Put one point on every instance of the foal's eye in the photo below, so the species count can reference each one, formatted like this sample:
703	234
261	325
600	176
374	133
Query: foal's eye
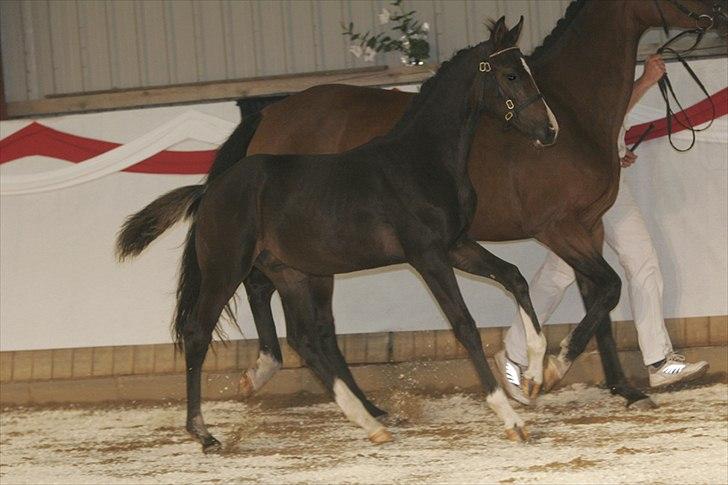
511	77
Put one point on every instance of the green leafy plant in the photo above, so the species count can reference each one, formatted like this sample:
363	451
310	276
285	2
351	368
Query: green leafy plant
408	36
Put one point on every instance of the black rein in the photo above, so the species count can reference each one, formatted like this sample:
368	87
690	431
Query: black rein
666	89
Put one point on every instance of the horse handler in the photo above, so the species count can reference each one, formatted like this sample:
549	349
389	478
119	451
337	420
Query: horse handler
626	233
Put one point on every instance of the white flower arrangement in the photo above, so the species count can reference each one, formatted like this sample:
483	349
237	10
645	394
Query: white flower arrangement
412	42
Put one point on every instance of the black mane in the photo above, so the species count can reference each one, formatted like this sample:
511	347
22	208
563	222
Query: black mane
427	88
429	84
561	26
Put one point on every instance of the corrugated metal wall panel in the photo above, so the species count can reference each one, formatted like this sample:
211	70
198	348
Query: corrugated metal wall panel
154	68
95	45
64	46
11	34
181	41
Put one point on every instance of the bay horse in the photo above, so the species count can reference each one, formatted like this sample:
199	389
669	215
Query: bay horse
404	196
585	68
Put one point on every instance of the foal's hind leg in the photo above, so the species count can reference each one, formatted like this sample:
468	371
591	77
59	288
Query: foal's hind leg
297	296
471	257
197	332
323	289
440	278
260	290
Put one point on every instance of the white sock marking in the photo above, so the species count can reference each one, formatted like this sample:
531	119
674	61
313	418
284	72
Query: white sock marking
265	368
536	345
353	408
498	402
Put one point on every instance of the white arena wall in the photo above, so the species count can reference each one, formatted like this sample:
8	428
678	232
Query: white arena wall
61	287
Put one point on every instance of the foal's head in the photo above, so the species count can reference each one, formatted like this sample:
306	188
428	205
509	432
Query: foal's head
507	88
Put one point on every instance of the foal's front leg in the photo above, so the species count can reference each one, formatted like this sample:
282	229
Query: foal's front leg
471	257
440	278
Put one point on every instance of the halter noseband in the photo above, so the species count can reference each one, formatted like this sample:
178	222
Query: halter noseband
513	110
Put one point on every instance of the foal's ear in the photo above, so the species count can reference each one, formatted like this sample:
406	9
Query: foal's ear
511	38
498	31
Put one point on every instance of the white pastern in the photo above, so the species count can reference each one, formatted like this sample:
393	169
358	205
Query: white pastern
536	347
353	408
552	118
265	368
565	349
498	402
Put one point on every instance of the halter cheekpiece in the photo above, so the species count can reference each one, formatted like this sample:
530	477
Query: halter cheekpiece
485	66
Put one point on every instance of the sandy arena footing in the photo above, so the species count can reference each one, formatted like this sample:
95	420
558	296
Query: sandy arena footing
580	435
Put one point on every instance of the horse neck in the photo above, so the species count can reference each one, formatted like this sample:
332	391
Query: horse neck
442	124
591	70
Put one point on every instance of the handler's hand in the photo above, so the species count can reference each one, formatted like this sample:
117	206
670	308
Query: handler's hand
654	69
628	159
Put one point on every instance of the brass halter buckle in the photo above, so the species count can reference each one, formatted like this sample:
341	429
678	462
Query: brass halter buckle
509	105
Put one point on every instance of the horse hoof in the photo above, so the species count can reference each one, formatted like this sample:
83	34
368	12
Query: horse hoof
246	386
519	434
211	445
381	436
379	413
643	404
530	388
553	372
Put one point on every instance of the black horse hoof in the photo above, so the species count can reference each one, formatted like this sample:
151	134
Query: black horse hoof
379	413
644	404
211	445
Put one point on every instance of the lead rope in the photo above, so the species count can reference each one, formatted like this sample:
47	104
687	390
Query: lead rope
666	89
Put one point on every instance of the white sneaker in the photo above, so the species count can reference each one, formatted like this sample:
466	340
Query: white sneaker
511	375
675	369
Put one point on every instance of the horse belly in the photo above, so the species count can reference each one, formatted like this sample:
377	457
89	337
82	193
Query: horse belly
337	249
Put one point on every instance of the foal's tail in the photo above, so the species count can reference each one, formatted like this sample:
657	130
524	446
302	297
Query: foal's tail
140	229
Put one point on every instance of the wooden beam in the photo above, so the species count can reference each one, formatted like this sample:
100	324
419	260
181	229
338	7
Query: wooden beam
216	91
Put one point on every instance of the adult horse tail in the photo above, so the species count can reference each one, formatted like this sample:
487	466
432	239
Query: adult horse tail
140	229
235	147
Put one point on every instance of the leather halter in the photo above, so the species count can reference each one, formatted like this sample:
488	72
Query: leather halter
513	110
666	89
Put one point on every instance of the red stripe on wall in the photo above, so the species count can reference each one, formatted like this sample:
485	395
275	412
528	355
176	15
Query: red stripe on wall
37	139
697	114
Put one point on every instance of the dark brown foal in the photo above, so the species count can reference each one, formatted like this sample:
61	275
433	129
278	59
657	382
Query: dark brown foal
299	219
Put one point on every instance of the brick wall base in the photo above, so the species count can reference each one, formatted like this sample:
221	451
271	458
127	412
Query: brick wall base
423	360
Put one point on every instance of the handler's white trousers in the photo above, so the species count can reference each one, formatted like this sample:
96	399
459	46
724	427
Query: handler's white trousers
626	233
